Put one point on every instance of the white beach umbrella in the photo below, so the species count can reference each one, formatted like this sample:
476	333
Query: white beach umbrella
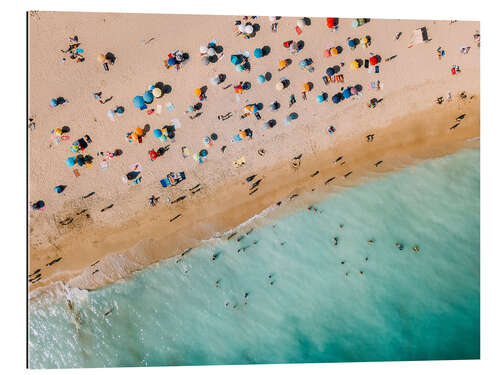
280	86
301	23
215	80
272	18
203	49
248	29
241	28
211	52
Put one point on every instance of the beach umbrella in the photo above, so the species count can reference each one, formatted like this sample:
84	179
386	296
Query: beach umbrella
301	23
346	93
203	49
119	110
333	51
330	22
58	189
157	133
272	18
248	29
306	87
211	51
111	114
70	161
336	98
273	107
326	53
74	148
172	61
293	116
53	103
148	96
205	60
303	63
261	78
240	68
101	58
254	109
243	134
283	64
373	60
354	65
355	23
320	98
197	92
280	86
258	53
241	28
235	59
351	43
203	153
163	138
153	155
151	87
58	131
364	40
354	91
156	92
294	47
330	72
190	109
213	137
139	132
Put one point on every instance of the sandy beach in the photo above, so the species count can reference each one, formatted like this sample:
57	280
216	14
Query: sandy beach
93	247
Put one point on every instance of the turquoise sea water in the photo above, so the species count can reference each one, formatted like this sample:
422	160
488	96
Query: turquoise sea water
404	306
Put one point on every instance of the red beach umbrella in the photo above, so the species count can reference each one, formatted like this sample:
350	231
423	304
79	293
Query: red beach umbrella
153	155
373	60
330	22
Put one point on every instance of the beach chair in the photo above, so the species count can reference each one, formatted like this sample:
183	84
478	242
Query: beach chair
165	182
76	173
158	109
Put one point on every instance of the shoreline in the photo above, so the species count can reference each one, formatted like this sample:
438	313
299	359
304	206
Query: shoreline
416	147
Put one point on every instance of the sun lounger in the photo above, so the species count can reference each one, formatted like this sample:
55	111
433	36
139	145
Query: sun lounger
76	173
158	109
165	182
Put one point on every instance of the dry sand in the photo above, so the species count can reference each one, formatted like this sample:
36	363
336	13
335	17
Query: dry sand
408	126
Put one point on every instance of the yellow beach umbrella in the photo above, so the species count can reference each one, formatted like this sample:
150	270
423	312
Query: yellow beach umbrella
306	87
243	134
58	131
282	63
364	40
139	132
157	92
333	51
280	86
101	58
354	65
197	92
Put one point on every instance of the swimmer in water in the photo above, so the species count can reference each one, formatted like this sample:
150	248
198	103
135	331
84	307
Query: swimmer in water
342	262
335	241
214	256
371	242
217	284
399	246
366	259
341	226
271	283
415	248
360	272
245	295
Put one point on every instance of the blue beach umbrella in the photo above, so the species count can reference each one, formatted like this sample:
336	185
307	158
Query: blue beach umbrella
203	153
336	98
163	138
320	98
240	68
293	116
330	72
151	87
148	96
190	109
235	59
258	53
58	189
346	93
157	133
351	43
303	63
119	110
139	102
261	78
70	161
172	61
53	103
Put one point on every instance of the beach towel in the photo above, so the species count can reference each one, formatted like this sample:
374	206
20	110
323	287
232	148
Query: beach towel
158	109
237	138
176	123
165	182
104	165
169	106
